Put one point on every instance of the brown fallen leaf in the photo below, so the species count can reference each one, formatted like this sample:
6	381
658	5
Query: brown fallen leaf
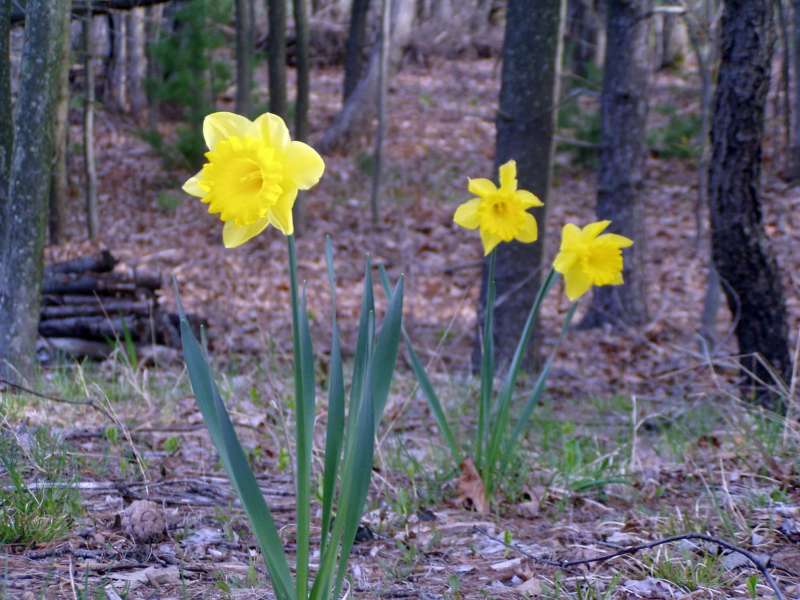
471	493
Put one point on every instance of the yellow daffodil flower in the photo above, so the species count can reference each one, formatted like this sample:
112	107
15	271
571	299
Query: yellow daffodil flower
252	175
587	258
501	213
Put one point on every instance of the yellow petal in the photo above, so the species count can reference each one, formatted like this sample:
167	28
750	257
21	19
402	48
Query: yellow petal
273	129
529	230
481	187
527	199
221	125
564	261
570	235
193	187
489	241
304	166
467	214
234	235
592	230
508	176
280	215
577	283
618	241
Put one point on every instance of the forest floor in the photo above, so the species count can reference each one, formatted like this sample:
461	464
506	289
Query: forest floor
641	435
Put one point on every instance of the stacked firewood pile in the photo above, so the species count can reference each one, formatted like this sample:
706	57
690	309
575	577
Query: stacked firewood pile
90	306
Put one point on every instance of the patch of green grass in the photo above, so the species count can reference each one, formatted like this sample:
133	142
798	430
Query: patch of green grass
38	501
584	589
678	138
689	572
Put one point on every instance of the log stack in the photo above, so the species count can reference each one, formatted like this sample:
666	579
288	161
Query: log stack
91	305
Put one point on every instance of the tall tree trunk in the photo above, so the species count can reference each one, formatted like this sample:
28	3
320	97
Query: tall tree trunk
155	15
22	233
59	186
741	249
359	109
6	118
303	70
620	181
525	124
136	63
795	171
89	168
383	74
245	36
117	72
354	48
276	48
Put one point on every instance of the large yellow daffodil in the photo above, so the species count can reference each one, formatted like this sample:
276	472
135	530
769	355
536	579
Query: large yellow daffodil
253	173
587	258
501	213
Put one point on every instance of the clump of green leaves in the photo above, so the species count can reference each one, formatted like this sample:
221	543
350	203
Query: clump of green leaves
192	78
38	501
678	138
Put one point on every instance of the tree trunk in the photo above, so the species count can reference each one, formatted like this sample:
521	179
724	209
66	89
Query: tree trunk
741	249
277	57
525	127
383	73
303	70
6	119
359	109
795	171
155	15
22	234
59	186
90	170
117	72
583	28
245	36
624	106
354	49
136	61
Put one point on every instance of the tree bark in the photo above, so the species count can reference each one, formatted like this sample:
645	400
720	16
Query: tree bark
6	118
359	109
89	167
117	77
136	61
354	49
245	36
525	124
276	49
22	233
303	70
59	186
741	249
624	107
795	171
155	15
383	73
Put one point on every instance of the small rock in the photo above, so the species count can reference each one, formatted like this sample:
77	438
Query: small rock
144	522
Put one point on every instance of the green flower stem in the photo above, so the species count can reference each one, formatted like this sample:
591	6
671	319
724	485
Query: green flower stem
487	365
303	459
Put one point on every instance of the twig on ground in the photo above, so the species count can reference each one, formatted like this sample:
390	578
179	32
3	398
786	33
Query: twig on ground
569	564
88	402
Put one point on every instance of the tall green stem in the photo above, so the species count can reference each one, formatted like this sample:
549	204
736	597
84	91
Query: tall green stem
303	464
487	365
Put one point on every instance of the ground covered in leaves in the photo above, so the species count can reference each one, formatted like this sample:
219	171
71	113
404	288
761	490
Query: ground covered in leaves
641	435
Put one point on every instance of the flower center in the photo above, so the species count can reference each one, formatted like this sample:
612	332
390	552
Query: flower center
499	216
244	178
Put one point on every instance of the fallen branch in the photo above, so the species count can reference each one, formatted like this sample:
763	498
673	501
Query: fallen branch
88	402
569	564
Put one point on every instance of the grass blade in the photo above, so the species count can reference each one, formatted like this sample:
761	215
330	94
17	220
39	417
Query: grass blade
426	386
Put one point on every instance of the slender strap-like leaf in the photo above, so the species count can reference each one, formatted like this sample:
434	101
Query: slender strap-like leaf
487	366
223	436
335	428
536	393
363	342
499	419
304	422
426	386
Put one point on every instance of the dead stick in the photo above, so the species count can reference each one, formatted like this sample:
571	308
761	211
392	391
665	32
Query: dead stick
568	564
90	403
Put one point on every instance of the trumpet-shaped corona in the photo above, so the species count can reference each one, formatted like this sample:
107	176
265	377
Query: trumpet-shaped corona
252	174
501	214
587	258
